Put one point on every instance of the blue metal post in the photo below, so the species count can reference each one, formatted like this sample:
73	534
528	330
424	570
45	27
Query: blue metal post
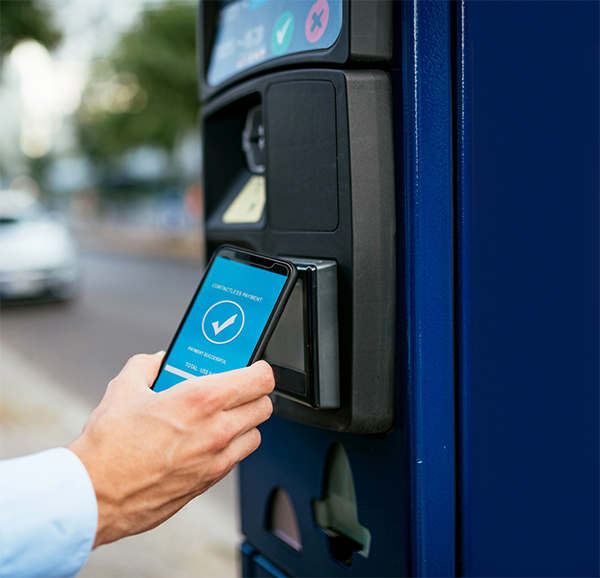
429	282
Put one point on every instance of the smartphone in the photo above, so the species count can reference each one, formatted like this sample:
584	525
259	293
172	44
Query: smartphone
231	317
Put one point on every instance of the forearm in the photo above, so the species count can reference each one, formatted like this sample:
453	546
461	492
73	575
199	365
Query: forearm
48	515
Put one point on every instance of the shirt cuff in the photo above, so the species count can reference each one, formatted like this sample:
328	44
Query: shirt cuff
48	515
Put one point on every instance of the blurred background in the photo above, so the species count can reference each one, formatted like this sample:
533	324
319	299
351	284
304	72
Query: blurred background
101	241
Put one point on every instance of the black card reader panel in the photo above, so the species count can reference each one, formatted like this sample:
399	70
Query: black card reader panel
352	224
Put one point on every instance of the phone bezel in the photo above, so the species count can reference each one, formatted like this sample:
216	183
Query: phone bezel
265	262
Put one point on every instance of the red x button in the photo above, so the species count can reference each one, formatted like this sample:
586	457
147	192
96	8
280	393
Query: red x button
316	21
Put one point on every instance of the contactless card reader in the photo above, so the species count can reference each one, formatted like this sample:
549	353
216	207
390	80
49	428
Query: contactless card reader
303	350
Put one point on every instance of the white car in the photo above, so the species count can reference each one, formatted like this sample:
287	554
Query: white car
38	256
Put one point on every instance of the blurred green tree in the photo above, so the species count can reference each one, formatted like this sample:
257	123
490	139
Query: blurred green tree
146	92
21	19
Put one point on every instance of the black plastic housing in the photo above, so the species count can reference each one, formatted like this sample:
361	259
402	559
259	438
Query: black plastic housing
351	219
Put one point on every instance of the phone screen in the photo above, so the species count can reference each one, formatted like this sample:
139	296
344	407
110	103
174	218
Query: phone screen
224	323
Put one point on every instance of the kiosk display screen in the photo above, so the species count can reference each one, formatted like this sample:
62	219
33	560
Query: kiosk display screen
250	32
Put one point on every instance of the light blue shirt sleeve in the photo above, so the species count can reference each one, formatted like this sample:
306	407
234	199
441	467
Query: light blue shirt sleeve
48	515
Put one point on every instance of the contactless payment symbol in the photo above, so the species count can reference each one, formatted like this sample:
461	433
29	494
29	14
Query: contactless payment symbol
223	322
282	33
316	21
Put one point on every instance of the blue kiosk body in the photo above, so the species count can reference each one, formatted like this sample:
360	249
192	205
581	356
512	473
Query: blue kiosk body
464	438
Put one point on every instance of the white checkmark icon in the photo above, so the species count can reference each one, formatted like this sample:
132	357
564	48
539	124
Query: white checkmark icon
223	325
281	33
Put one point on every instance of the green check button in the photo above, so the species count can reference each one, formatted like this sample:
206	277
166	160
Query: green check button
282	33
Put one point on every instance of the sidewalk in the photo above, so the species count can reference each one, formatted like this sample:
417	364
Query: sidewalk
199	541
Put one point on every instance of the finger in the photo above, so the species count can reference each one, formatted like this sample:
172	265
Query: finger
243	446
241	419
142	369
234	388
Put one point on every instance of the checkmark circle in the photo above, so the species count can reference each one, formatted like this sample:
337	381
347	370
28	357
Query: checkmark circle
282	33
209	310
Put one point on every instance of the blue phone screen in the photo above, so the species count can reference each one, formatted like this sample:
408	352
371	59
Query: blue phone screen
225	322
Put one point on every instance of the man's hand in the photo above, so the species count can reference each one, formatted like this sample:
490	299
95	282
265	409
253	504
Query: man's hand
148	454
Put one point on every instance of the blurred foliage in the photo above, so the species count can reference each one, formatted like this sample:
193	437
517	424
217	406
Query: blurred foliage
146	92
21	19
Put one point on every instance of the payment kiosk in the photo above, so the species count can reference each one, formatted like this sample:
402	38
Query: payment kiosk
299	163
414	160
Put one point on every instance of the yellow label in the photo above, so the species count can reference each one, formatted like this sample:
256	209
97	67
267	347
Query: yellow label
249	204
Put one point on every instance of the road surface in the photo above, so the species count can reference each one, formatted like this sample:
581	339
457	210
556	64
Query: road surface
127	305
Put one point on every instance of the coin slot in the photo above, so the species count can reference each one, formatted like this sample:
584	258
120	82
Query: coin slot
253	140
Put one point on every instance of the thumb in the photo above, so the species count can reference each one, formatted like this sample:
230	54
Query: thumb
141	370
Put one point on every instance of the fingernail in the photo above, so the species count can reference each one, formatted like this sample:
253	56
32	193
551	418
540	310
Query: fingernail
161	352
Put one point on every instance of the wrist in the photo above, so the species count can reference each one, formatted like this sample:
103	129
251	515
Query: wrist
107	527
